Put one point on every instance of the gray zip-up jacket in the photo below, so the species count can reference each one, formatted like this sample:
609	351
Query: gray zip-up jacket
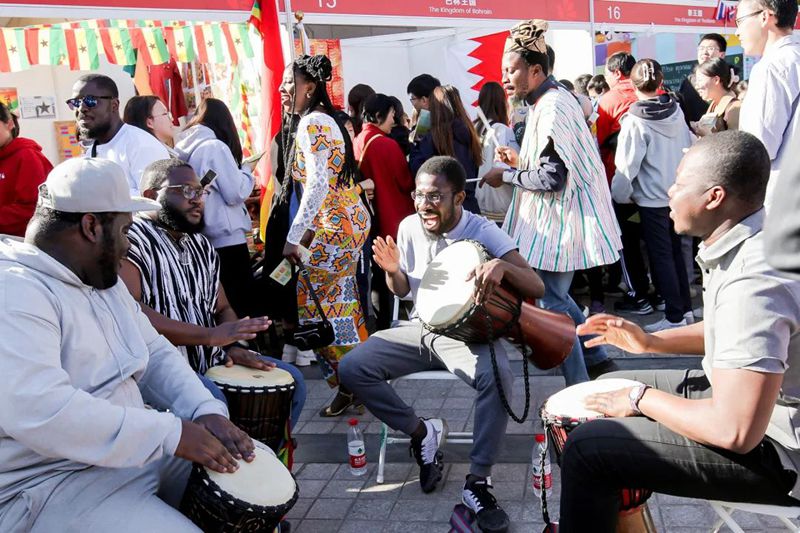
76	366
650	146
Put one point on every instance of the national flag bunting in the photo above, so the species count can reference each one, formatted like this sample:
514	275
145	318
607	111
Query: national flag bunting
13	52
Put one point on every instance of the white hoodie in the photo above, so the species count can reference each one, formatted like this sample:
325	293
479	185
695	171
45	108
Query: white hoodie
76	364
226	216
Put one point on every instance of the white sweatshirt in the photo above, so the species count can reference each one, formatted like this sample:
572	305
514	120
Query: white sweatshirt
76	365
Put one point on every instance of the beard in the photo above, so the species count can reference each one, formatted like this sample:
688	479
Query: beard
95	132
175	220
108	262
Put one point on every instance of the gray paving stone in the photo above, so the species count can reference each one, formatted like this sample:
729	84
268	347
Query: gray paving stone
459	403
318	471
389	490
687	515
361	526
428	403
343	472
298	511
371	509
510	472
317	526
413	510
315	428
311	488
395	471
341	488
330	508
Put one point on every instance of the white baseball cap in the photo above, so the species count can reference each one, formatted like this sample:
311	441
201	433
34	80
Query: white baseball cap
91	185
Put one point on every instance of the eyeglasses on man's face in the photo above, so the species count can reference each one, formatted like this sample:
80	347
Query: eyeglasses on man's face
745	17
709	49
190	192
434	198
89	101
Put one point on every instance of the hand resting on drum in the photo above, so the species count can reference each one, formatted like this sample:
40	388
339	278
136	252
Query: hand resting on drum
236	355
512	268
614	404
214	442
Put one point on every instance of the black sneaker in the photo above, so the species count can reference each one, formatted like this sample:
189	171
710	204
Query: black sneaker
428	455
476	496
633	306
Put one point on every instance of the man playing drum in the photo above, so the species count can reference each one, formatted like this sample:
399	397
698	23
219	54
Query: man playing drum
78	359
173	271
440	220
729	431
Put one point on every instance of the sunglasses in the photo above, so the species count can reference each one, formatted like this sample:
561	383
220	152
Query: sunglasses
189	192
88	100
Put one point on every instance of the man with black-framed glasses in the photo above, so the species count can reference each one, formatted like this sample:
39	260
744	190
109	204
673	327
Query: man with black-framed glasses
95	103
771	111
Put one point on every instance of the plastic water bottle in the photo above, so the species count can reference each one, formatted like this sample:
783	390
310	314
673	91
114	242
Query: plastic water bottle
540	479
356	449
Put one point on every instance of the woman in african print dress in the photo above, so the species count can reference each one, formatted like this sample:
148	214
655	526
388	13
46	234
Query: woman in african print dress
330	218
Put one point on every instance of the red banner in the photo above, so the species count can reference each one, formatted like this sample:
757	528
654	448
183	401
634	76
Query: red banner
563	10
199	5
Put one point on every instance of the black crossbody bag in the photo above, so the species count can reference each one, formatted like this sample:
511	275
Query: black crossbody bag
317	334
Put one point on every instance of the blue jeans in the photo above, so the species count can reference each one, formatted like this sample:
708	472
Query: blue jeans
298	400
557	298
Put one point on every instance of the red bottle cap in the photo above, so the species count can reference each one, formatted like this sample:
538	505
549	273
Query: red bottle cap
539	437
353	421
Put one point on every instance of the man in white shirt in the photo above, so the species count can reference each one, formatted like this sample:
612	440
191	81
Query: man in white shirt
771	111
95	102
79	451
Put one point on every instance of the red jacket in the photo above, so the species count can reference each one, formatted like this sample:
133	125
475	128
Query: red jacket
23	168
610	109
384	163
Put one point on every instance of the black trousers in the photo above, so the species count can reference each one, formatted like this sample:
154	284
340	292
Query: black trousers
603	456
667	265
632	263
236	277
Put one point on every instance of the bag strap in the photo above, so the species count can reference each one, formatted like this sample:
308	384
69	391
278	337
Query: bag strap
304	273
364	152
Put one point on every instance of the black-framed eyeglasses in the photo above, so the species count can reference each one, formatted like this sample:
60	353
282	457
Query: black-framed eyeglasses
744	17
434	198
89	101
189	192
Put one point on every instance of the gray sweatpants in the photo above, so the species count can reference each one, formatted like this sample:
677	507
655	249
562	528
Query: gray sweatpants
405	350
100	500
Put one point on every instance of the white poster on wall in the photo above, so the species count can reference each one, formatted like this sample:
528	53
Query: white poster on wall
38	106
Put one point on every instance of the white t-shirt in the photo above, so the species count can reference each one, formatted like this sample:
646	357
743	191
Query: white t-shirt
418	247
133	149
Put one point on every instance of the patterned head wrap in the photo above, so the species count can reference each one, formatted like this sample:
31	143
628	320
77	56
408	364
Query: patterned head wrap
528	35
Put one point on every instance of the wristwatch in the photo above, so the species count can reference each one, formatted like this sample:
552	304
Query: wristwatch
635	396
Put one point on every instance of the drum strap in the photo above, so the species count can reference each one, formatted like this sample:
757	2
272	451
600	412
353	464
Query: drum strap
542	459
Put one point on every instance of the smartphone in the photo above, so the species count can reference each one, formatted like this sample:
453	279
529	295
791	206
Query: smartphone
209	176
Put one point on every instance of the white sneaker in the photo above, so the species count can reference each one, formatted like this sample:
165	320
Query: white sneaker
663	324
688	316
698	312
305	358
289	353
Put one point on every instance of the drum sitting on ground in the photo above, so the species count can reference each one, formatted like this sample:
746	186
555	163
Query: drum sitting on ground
563	412
252	499
446	305
259	402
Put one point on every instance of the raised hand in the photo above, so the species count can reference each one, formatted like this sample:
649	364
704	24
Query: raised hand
507	155
616	331
238	330
386	254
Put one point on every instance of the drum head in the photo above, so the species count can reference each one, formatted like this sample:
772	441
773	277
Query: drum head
445	295
569	403
265	481
242	376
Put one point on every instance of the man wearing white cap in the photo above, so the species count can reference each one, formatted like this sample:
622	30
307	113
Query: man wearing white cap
78	360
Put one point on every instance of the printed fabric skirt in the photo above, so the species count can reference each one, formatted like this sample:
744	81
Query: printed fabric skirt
342	229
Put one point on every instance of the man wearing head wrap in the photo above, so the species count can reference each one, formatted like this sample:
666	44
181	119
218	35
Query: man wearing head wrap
560	216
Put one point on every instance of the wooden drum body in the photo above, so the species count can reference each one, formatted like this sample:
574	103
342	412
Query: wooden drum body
252	499
259	402
563	412
446	305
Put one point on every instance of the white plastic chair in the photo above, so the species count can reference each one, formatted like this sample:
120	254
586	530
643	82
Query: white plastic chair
725	509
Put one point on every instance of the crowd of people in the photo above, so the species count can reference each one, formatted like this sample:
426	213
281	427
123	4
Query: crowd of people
610	182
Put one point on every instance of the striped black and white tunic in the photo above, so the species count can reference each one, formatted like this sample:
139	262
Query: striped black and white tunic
180	279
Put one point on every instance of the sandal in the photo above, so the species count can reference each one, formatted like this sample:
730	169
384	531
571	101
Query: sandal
339	405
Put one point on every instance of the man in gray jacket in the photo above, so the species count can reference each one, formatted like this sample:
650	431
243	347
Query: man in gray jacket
78	449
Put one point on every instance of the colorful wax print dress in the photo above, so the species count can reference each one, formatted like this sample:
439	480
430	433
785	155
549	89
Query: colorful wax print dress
341	225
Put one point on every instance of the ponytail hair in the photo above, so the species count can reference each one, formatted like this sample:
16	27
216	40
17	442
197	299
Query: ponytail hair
647	75
718	67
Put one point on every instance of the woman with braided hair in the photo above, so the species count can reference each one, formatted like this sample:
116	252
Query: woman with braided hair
327	215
